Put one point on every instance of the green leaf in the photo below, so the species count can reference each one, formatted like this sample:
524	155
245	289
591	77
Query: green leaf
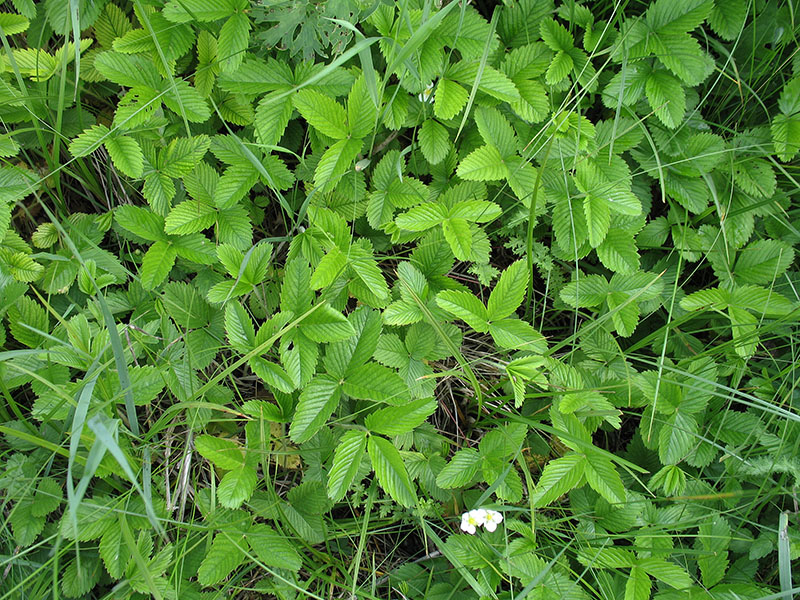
476	211
608	557
239	327
224	453
588	291
665	571
196	248
329	269
141	221
598	217
26	319
316	404
89	141
236	487
677	437
434	141
492	82
367	271
666	97
115	554
789	102
156	264
296	294
459	234
129	71
362	114
714	536
272	374
223	557
496	130
461	469
47	498
422	217
483	164
272	116
466	307
158	190
638	585
604	479
667	16
517	334
396	420
8	146
22	266
618	252
556	36
323	113
762	301
449	100
234	36
190	216
714	298
185	101
509	291
763	262
558	477
183	154
377	383
13	24
273	549
682	55
126	155
336	162
786	136
235	183
727	19
346	462
185	11
25	526
560	67
327	324
390	471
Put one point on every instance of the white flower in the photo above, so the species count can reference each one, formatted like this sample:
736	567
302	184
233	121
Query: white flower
492	519
427	94
470	521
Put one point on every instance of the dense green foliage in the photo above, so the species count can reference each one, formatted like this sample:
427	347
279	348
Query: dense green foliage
286	287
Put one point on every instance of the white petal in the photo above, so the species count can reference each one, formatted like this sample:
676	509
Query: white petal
479	515
491	525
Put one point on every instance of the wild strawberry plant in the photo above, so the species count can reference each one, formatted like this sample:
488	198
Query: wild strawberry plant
398	299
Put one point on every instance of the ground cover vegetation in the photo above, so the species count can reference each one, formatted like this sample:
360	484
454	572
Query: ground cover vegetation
399	299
